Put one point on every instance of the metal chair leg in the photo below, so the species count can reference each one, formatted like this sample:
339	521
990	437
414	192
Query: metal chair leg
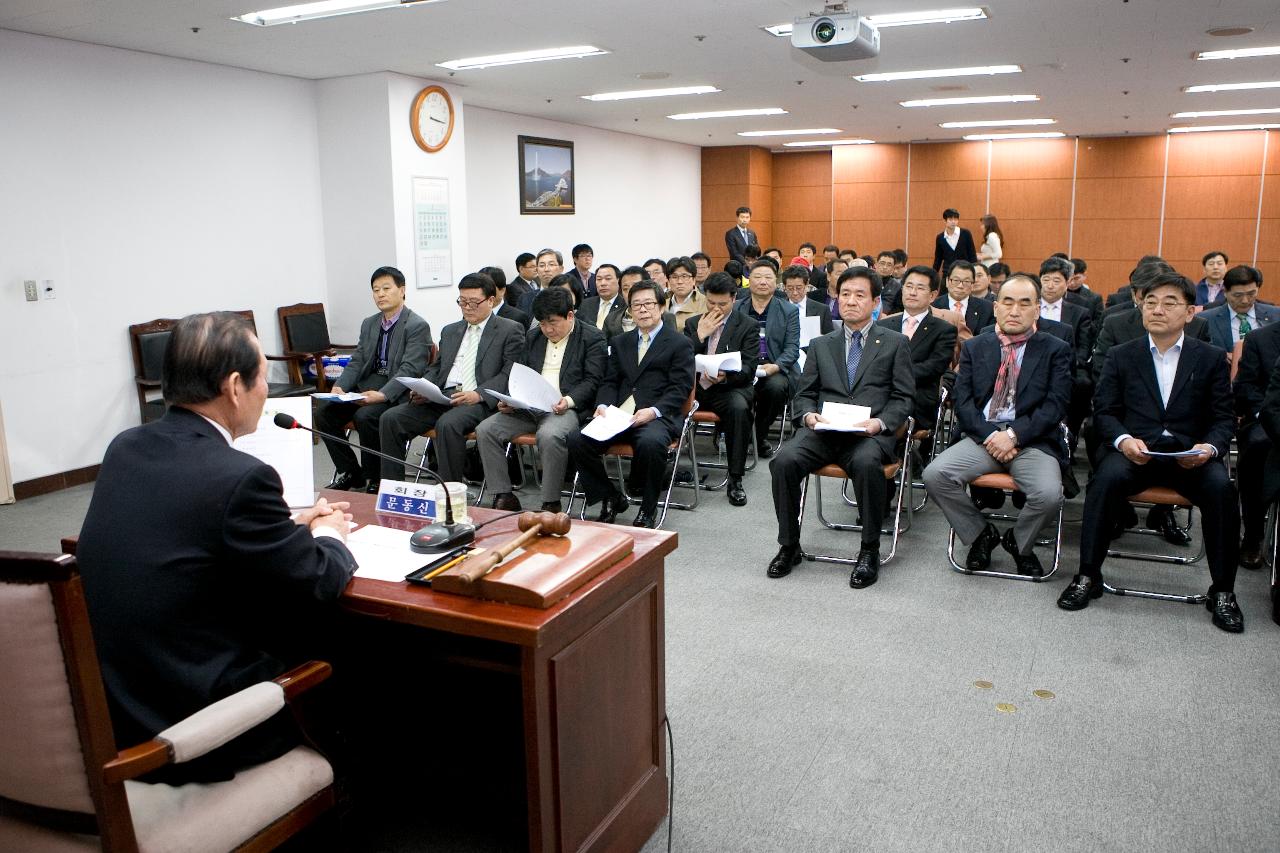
1057	556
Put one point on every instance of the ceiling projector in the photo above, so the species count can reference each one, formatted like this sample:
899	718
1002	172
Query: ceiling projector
836	36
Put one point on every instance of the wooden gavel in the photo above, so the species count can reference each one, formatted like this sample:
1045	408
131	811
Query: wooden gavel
534	524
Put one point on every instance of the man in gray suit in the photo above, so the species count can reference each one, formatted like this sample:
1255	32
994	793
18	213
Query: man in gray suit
859	364
778	370
571	356
394	342
475	353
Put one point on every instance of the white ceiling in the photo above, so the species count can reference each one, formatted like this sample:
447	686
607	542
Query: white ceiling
1074	54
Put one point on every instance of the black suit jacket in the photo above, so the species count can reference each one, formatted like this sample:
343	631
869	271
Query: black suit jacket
979	313
1127	326
1269	417
932	347
517	288
581	369
1040	398
944	255
884	380
1128	397
591	306
515	315
814	308
588	283
740	333
1122	296
735	244
1257	363
407	354
1091	302
890	297
1082	332
663	380
502	344
180	579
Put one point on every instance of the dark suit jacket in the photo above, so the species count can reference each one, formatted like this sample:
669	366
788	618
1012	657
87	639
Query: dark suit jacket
1123	296
814	308
1082	332
526	300
663	380
979	313
1221	319
890	297
883	382
591	306
1257	363
735	244
1270	420
1091	302
944	255
1040	398
932	347
407	354
782	334
1199	410
1202	295
180	580
581	369
613	323
515	315
588	283
740	333
502	344
517	288
1127	326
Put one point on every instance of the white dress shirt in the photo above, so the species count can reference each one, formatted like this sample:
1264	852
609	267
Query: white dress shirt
1051	310
1166	367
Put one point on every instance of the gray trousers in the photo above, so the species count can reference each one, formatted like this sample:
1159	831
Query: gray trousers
495	431
1037	474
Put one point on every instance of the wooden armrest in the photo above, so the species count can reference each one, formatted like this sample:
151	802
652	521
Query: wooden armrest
279	357
344	346
309	356
303	677
147	383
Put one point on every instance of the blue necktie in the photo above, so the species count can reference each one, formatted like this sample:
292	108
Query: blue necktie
855	356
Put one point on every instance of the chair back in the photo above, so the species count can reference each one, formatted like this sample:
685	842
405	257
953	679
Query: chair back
147	343
303	328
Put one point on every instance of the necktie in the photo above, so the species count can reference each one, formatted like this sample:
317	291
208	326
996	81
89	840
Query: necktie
1245	328
854	356
909	326
643	348
467	360
961	307
602	313
705	381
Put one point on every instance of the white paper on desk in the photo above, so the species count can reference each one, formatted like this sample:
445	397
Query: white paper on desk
528	389
605	427
841	417
729	362
348	397
1175	455
810	328
286	450
426	388
383	553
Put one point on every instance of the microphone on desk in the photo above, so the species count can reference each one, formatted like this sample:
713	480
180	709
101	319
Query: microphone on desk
434	538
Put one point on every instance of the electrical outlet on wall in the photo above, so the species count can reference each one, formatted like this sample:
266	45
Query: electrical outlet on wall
29	287
46	288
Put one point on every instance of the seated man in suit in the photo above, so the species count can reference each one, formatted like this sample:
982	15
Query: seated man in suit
779	323
683	299
1166	393
1269	418
526	278
650	374
1078	292
596	309
570	355
621	321
475	353
1055	272
891	293
198	582
859	364
1210	290
795	284
1242	312
505	309
583	256
982	284
549	264
977	313
394	342
933	341
1011	397
728	393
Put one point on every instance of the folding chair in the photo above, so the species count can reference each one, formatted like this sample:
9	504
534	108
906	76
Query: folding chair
1166	497
1005	483
708	424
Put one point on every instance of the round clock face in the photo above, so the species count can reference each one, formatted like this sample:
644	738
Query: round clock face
433	118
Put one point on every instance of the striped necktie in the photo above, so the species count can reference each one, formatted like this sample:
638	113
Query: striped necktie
854	356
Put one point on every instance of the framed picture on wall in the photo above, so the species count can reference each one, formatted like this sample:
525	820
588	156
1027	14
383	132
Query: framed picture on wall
546	175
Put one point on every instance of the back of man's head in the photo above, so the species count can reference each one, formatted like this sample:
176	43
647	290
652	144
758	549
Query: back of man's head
203	350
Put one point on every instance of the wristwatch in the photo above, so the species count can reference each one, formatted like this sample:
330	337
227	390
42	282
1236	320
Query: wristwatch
1013	436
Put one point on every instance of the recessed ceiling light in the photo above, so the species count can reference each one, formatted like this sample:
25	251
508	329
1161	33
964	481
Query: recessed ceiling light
763	111
1010	122
519	57
1224	113
814	143
813	131
651	93
974	71
904	19
975	99
1229	31
1239	52
1048	134
1232	87
323	9
1222	127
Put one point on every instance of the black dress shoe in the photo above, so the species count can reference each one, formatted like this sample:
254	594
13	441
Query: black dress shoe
1077	594
552	506
1226	613
1028	564
611	506
780	565
980	551
1251	555
764	449
737	494
371	489
1161	518
345	481
866	570
683	477
986	498
645	518
506	501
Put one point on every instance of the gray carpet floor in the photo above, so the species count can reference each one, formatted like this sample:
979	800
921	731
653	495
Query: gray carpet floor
809	716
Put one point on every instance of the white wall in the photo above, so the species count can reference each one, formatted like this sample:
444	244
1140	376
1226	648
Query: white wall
636	197
144	187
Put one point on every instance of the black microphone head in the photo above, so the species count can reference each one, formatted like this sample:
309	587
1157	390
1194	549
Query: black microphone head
285	421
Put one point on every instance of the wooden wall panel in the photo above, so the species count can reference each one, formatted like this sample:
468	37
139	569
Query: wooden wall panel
949	161
1118	198
1187	240
1213	197
802	191
1106	277
802	169
868	163
930	198
869	237
871	201
1215	154
1030	198
869	206
1115	239
1020	159
734	176
1121	157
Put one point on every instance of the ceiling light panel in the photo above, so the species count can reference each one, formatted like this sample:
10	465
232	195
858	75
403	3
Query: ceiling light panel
1224	113
1232	87
1222	127
762	111
974	99
323	9
498	59
815	143
651	93
1239	52
1008	122
930	74
1048	134
813	131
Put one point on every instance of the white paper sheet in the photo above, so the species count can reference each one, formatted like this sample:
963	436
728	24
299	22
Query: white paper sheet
605	427
426	388
348	397
800	360
383	553
729	362
841	417
1176	454
528	389
286	450
810	328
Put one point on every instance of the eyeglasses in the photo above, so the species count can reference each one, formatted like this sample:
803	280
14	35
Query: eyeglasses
680	276
955	280
646	306
1166	304
471	303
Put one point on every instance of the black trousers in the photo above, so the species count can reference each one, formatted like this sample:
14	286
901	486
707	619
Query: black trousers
861	457
1079	407
451	423
733	407
649	444
771	396
1207	487
1254	447
331	419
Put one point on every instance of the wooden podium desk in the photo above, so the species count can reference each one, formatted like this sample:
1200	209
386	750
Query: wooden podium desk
592	683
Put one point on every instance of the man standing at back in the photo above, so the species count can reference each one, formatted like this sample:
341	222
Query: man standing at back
740	236
953	243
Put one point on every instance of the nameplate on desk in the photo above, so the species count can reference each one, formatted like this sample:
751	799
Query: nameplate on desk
416	500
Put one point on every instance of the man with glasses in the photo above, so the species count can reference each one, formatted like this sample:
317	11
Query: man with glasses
475	353
1242	313
977	313
795	284
583	256
548	264
933	340
778	372
649	375
1164	394
702	267
685	300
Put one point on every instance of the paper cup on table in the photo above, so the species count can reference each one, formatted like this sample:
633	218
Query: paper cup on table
458	500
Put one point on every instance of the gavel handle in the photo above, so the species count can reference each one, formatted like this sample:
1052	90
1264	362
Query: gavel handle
472	572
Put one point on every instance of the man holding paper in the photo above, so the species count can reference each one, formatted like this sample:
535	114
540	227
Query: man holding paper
726	391
1160	397
795	284
648	377
566	362
859	364
394	342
